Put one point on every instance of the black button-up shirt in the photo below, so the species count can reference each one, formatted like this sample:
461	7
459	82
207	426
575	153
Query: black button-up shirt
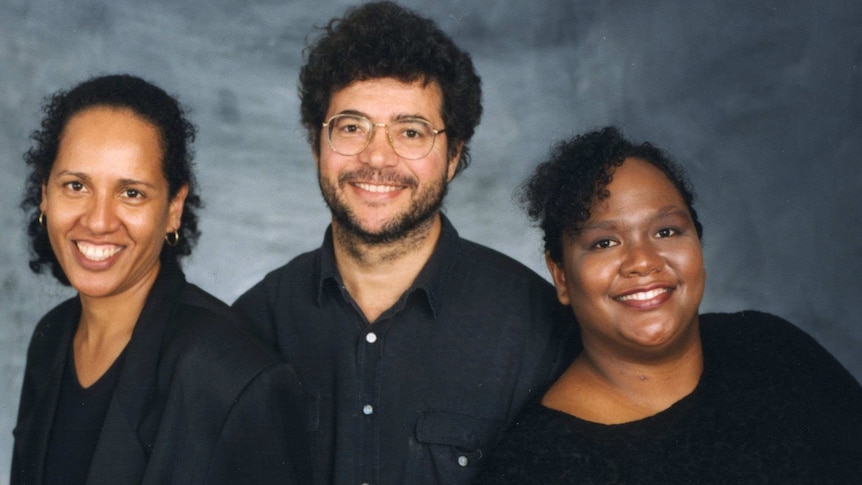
422	394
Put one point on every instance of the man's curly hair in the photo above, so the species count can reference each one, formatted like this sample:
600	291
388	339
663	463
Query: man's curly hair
150	103
560	192
382	39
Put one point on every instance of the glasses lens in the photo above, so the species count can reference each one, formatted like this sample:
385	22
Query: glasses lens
348	134
412	138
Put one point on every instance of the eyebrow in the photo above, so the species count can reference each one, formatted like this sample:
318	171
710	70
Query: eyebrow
612	224
123	182
399	117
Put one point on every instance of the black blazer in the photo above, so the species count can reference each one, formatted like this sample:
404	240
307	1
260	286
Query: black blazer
197	400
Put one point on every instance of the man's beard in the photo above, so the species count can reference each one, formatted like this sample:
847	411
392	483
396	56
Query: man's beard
425	206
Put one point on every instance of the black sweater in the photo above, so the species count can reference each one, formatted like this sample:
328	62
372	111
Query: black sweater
772	406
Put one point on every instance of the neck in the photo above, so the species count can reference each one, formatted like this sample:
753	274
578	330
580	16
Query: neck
105	328
609	389
376	275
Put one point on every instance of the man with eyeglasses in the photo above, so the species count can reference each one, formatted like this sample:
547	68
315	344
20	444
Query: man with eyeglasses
415	347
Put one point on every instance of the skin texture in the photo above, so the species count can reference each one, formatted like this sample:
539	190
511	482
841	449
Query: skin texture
376	195
385	209
634	276
107	213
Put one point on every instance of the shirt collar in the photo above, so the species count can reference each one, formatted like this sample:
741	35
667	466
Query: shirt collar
431	281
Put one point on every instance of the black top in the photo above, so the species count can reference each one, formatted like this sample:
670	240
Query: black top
78	423
421	395
772	406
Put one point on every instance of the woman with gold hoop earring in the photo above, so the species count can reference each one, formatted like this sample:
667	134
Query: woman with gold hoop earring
142	378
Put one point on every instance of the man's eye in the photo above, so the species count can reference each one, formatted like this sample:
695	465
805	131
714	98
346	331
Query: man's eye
349	126
132	193
667	232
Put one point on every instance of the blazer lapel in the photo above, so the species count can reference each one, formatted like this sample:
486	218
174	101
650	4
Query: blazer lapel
134	415
119	456
47	373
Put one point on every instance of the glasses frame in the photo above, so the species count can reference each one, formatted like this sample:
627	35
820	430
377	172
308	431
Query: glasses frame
385	126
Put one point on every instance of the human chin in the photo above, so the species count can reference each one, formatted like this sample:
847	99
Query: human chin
422	208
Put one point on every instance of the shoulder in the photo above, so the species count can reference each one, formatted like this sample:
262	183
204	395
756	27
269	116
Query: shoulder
301	266
750	321
767	348
503	289
60	321
494	261
496	273
265	303
206	337
753	330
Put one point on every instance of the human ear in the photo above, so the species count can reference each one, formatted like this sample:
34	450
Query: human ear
175	209
558	274
452	168
44	202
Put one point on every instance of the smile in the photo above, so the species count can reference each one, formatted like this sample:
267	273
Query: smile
644	295
99	252
380	189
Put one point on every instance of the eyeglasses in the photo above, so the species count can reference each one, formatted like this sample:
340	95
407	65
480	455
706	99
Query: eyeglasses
411	138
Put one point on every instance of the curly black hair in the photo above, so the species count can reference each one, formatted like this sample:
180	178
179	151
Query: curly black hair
148	102
383	39
559	194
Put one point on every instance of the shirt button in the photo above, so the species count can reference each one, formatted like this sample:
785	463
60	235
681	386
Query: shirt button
371	337
463	461
368	410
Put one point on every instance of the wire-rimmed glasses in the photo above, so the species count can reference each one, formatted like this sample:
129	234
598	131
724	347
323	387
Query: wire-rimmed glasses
350	134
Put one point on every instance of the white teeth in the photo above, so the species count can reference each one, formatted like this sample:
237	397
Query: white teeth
98	253
378	188
644	295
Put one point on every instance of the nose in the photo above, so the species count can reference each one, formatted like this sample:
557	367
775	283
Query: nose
641	259
379	152
100	216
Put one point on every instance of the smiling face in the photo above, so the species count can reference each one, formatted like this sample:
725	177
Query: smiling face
634	274
375	194
106	202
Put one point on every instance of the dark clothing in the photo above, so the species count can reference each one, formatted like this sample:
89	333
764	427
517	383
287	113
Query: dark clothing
78	424
421	395
197	400
772	406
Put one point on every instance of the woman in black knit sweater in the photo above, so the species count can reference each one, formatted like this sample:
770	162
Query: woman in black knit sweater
661	394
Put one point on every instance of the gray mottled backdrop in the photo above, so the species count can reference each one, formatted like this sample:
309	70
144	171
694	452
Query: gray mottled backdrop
761	100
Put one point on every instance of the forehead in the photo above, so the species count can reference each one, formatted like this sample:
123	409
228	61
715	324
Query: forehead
384	99
108	122
637	185
102	137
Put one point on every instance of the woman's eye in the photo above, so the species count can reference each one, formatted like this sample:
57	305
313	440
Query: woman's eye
75	186
667	232
604	244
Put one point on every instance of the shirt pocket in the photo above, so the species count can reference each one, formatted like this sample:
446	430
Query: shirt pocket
450	446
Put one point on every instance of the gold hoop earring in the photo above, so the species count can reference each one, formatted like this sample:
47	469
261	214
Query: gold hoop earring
172	238
41	219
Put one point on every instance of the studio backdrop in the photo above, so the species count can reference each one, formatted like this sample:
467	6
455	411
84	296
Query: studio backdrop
760	101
